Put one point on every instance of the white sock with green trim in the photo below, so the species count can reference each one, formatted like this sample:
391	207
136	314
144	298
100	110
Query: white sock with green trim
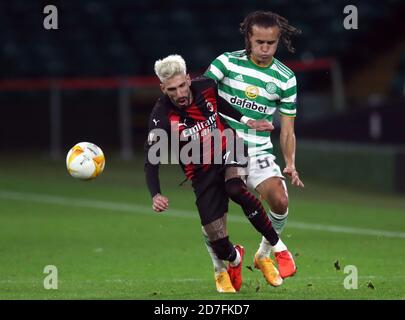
278	221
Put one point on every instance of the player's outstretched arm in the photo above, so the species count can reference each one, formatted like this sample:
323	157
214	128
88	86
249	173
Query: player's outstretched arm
288	143
157	121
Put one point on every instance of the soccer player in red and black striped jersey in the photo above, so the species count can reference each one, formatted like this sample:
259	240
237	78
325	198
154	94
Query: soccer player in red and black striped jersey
189	112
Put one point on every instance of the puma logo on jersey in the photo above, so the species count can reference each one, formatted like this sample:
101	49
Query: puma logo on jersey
250	216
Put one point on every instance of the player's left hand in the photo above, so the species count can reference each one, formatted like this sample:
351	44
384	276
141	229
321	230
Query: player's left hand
160	203
294	176
260	125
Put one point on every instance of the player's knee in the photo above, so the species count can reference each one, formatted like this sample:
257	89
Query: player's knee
280	205
234	188
223	248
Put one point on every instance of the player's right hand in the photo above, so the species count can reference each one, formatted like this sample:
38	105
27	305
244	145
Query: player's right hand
260	125
160	203
291	172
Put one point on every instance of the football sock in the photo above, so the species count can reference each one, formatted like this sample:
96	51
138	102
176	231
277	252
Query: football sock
279	246
252	207
224	249
266	248
219	265
237	260
278	221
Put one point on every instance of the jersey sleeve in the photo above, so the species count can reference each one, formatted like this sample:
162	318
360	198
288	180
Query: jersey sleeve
218	68
158	121
288	100
224	108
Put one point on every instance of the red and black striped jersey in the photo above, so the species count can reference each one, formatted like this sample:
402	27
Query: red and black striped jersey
188	128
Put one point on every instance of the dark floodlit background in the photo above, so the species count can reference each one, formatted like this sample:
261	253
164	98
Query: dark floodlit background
92	79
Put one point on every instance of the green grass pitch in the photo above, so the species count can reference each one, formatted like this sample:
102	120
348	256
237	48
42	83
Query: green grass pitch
107	243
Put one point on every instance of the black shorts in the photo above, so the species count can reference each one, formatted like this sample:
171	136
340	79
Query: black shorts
211	197
209	185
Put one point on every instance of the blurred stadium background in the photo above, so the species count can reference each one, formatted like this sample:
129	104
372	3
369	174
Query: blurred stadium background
92	80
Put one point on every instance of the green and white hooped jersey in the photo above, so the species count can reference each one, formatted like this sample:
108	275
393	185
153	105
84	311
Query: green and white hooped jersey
256	92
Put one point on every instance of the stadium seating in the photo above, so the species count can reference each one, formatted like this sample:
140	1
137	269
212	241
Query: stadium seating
99	38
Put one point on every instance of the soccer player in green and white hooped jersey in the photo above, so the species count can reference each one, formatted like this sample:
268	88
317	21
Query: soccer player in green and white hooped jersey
257	84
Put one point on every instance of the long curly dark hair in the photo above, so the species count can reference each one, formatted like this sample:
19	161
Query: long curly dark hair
268	19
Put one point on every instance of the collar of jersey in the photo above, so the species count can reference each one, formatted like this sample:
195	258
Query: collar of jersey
260	67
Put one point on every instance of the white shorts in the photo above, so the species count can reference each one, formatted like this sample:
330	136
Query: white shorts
261	168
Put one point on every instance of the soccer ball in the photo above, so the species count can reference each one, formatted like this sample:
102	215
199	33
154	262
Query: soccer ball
85	161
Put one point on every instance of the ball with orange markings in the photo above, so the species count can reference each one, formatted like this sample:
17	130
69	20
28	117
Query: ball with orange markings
85	161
